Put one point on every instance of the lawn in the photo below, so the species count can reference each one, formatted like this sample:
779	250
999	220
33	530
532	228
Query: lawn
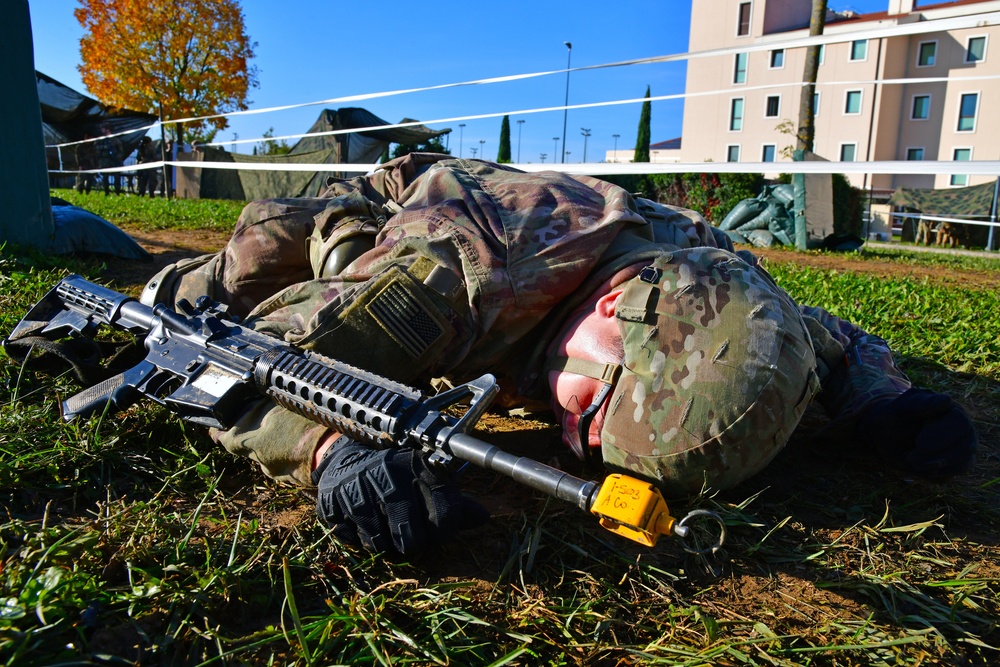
135	540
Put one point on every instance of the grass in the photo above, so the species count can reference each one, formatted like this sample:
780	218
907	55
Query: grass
135	540
148	214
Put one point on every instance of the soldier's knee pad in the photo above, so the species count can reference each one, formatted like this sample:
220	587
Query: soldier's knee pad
188	279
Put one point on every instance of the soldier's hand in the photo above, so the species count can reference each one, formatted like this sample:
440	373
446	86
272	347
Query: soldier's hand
922	433
390	500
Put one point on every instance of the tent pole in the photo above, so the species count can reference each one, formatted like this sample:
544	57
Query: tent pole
993	214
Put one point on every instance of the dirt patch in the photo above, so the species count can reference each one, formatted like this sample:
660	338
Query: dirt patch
165	247
944	275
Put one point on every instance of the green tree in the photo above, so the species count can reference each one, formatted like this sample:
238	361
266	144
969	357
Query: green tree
271	147
431	146
642	140
503	155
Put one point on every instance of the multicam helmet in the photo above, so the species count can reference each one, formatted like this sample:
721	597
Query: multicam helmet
718	370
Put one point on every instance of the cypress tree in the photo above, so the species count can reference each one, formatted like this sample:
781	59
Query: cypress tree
503	155
642	140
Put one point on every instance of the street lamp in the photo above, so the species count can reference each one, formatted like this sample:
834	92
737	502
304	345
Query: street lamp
569	54
482	153
519	124
543	156
555	147
585	131
474	151
615	153
461	133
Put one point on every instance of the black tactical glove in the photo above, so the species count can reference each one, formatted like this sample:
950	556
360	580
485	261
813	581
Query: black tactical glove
390	499
922	433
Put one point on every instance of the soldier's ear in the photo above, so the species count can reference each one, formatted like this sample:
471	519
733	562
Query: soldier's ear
605	306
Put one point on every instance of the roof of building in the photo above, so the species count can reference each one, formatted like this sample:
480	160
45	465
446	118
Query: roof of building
668	145
852	17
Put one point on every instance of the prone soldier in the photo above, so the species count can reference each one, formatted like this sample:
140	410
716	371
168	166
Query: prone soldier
658	346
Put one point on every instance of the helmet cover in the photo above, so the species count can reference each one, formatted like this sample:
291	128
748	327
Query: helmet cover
718	369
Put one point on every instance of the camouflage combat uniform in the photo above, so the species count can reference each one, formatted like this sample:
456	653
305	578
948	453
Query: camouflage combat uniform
441	267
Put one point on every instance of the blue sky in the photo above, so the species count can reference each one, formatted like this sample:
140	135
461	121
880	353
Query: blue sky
311	50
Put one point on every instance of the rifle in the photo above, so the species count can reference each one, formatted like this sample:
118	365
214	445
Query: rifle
205	367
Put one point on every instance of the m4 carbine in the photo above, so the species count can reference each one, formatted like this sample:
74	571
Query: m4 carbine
206	368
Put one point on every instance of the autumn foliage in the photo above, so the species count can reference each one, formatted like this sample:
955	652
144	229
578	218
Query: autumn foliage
185	57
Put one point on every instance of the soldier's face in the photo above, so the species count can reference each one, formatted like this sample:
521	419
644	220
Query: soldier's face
591	334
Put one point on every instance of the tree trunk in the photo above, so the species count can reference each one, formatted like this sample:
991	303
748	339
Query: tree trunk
807	110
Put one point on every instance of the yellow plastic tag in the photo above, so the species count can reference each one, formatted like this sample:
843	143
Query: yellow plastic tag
632	508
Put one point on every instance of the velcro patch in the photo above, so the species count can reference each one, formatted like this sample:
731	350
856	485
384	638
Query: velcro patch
405	319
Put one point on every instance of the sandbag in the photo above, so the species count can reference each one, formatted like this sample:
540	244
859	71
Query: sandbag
746	210
760	238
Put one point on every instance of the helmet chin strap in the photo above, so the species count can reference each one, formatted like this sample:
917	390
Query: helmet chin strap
606	373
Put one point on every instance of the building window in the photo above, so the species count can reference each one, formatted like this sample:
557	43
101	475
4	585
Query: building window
777	59
921	107
859	49
847	152
852	102
743	27
740	70
822	53
767	154
773	106
926	54
914	153
815	104
733	153
975	49
736	115
967	112
961	155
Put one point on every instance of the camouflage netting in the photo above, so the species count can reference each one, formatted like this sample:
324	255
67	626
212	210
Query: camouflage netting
356	147
973	202
767	219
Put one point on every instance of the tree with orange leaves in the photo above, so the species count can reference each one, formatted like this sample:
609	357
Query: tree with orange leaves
180	58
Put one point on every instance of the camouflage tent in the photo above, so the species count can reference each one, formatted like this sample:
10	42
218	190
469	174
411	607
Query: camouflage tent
363	147
69	116
975	201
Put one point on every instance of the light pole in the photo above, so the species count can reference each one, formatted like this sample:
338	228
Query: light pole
543	156
555	148
569	54
616	146
585	131
482	153
461	134
519	124
474	151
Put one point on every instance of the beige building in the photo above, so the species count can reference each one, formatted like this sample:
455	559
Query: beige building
857	117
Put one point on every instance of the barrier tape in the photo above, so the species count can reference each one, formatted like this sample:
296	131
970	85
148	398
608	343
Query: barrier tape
889	167
934	218
921	27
